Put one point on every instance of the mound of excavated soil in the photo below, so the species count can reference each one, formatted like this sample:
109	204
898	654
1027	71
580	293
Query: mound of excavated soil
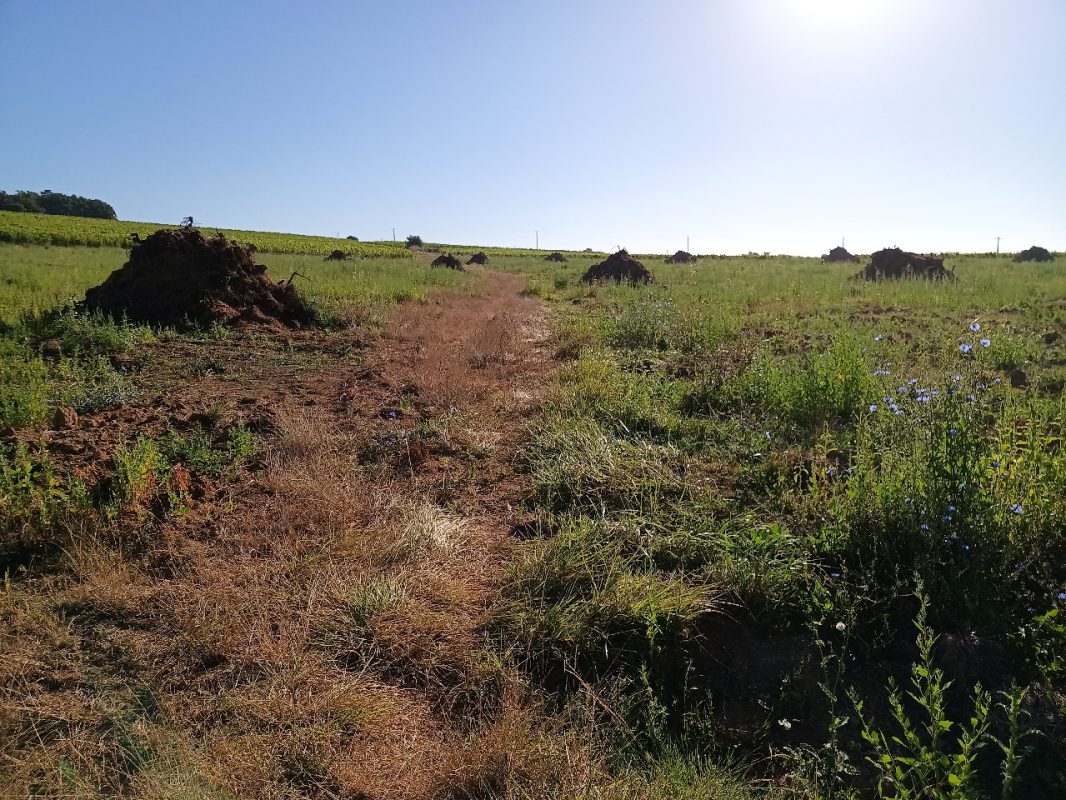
478	258
178	274
338	255
1034	253
618	267
839	255
558	257
449	261
681	257
893	263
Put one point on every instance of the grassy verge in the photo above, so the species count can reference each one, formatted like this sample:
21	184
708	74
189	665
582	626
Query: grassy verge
750	483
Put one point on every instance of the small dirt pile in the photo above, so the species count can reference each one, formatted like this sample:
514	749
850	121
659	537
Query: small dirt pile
449	261
893	263
478	258
681	257
838	255
1034	253
180	275
618	267
557	257
338	255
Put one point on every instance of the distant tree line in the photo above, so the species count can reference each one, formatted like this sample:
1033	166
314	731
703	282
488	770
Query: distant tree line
49	202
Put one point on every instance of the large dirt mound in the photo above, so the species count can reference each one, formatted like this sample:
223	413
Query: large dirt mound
557	257
179	275
338	255
893	263
681	257
618	267
449	261
478	258
1034	253
839	255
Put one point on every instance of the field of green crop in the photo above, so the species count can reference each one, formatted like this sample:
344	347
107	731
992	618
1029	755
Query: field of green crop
48	229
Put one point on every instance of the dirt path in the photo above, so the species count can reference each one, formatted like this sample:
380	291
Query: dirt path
312	627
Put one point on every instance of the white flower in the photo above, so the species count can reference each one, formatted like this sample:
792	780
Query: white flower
784	723
841	627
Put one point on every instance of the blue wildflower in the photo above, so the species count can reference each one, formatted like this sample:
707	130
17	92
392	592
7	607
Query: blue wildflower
873	407
975	326
965	348
878	338
971	397
951	508
1062	595
924	526
912	382
986	343
1016	508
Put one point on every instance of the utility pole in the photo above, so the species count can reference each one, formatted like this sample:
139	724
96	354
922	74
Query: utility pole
538	239
997	245
394	234
841	241
688	245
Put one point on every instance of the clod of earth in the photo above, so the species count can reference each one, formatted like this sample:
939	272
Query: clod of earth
557	257
449	261
681	257
338	255
839	255
618	267
177	276
1034	253
893	263
478	258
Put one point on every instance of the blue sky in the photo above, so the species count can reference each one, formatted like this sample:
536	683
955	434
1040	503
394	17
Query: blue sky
766	125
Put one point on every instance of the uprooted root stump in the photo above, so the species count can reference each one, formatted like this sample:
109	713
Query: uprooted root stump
893	263
175	276
838	255
618	267
1034	253
557	257
478	258
338	255
449	261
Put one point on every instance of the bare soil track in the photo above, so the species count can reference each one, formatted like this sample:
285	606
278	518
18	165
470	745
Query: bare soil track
312	627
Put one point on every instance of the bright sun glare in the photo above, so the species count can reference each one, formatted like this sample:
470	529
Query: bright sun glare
839	14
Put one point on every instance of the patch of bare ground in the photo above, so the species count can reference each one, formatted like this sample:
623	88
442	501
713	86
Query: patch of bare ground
310	627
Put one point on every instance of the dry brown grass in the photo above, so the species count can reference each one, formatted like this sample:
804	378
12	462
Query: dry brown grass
316	632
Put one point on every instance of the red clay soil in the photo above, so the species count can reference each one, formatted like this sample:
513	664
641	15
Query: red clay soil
1034	253
893	264
478	258
556	257
838	255
681	257
618	267
179	275
449	261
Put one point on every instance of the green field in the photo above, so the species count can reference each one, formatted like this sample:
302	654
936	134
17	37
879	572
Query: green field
788	534
49	229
